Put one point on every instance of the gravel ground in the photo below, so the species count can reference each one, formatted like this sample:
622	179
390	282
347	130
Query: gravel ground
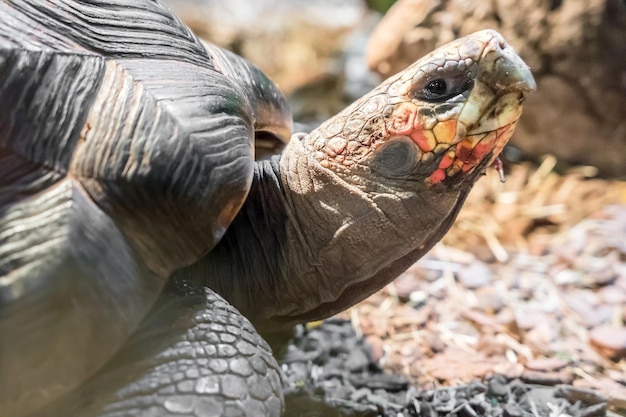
330	372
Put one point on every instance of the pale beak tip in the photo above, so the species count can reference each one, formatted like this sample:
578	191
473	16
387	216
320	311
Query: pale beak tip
527	81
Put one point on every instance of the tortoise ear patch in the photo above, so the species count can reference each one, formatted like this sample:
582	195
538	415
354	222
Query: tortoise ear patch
397	158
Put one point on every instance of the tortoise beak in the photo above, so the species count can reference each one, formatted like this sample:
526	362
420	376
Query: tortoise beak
502	70
499	88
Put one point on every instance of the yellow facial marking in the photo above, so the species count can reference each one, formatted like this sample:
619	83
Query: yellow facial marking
445	132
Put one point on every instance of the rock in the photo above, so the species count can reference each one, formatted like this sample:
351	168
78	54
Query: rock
475	388
575	50
573	394
597	410
489	299
610	341
518	388
360	394
357	360
497	387
564	376
405	285
340	392
513	410
547	364
388	382
474	275
349	408
376	348
592	313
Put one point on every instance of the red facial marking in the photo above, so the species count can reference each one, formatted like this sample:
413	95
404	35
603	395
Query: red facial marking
402	119
422	141
437	176
447	160
469	155
481	150
464	151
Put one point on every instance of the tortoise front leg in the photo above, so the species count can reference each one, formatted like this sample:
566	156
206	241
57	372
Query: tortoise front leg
195	355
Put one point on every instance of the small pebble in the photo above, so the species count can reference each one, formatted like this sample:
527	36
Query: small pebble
475	275
497	387
357	360
513	410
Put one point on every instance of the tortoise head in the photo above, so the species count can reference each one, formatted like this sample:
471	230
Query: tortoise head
441	121
353	204
375	187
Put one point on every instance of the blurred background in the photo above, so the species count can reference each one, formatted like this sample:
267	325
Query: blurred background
531	281
324	53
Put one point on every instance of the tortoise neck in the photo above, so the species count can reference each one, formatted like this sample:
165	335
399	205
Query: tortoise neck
247	267
306	244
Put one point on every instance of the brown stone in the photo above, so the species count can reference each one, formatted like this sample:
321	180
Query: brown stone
610	341
377	348
405	285
475	275
546	364
564	376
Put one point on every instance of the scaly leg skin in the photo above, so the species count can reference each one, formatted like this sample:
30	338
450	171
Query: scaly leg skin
195	355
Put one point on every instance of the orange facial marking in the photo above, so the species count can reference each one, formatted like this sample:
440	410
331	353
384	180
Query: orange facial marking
424	139
402	119
445	132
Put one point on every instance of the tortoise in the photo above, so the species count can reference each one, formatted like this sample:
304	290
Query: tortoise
143	249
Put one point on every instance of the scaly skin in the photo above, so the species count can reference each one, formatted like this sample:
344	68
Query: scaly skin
351	205
445	133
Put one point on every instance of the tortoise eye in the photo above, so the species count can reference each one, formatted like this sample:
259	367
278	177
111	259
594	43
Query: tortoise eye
441	89
436	87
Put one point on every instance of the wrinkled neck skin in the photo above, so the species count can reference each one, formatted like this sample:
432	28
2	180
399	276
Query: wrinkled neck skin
309	243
